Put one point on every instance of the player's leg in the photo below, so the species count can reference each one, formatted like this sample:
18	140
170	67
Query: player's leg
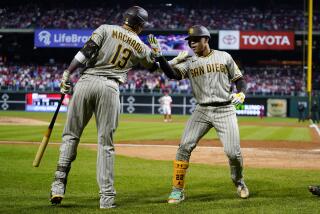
165	113
226	125
107	113
300	116
197	126
169	114
79	113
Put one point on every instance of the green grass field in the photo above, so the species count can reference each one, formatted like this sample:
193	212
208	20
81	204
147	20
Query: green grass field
144	185
151	127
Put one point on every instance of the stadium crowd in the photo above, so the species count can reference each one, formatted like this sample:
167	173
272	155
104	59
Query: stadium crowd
175	17
281	79
274	79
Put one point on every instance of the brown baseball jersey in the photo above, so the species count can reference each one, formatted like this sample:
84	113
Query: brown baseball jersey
210	76
120	50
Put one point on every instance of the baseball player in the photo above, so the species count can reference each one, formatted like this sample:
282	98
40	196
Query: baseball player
165	102
211	73
107	56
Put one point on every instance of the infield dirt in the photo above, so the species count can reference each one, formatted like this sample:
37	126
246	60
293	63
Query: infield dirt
262	154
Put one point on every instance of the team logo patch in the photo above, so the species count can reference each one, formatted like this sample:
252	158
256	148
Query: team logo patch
191	31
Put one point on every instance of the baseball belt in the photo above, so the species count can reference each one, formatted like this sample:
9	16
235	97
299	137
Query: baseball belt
216	104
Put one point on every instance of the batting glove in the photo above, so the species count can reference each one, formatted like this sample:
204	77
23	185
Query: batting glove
65	84
155	46
237	99
180	58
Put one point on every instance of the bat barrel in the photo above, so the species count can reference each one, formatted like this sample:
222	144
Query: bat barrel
42	148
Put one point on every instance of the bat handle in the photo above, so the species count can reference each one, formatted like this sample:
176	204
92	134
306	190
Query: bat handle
56	112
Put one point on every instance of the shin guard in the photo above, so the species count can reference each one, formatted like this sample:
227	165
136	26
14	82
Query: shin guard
179	173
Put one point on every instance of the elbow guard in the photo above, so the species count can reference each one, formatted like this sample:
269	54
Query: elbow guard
89	51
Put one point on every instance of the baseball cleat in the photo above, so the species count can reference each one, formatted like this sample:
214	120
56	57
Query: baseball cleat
108	206
315	190
176	197
242	190
56	199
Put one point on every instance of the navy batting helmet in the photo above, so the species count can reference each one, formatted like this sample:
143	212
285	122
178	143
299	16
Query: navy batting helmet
136	16
198	31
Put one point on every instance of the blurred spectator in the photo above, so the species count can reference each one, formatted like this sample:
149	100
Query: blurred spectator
315	112
301	109
282	79
266	80
178	17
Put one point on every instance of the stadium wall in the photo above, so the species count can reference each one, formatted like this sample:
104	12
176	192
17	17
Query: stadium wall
149	103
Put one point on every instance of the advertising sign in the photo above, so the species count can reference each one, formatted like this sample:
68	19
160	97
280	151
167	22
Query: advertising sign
45	102
55	38
171	45
229	39
256	40
265	40
277	107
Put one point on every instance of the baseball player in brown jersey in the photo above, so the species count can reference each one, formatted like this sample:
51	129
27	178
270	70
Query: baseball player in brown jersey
107	56
211	73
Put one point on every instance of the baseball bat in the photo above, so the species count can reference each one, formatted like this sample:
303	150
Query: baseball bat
46	137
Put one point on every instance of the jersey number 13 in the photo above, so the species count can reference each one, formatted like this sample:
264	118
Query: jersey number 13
121	61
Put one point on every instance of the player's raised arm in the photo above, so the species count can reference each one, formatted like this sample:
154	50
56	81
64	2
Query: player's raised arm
166	67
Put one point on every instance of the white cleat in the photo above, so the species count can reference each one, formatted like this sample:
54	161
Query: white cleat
108	207
242	190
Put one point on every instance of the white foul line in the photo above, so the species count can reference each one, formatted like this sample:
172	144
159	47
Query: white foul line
316	128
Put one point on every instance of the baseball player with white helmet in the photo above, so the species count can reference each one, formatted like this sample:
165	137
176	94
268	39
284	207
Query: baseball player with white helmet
108	55
211	73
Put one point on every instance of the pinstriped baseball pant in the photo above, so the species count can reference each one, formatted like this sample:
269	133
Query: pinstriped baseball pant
98	95
224	120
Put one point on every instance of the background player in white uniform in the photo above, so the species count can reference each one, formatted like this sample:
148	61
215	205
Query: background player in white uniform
108	55
211	73
165	102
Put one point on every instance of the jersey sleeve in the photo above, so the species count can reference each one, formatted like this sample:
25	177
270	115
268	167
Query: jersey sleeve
233	69
99	35
182	68
146	59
